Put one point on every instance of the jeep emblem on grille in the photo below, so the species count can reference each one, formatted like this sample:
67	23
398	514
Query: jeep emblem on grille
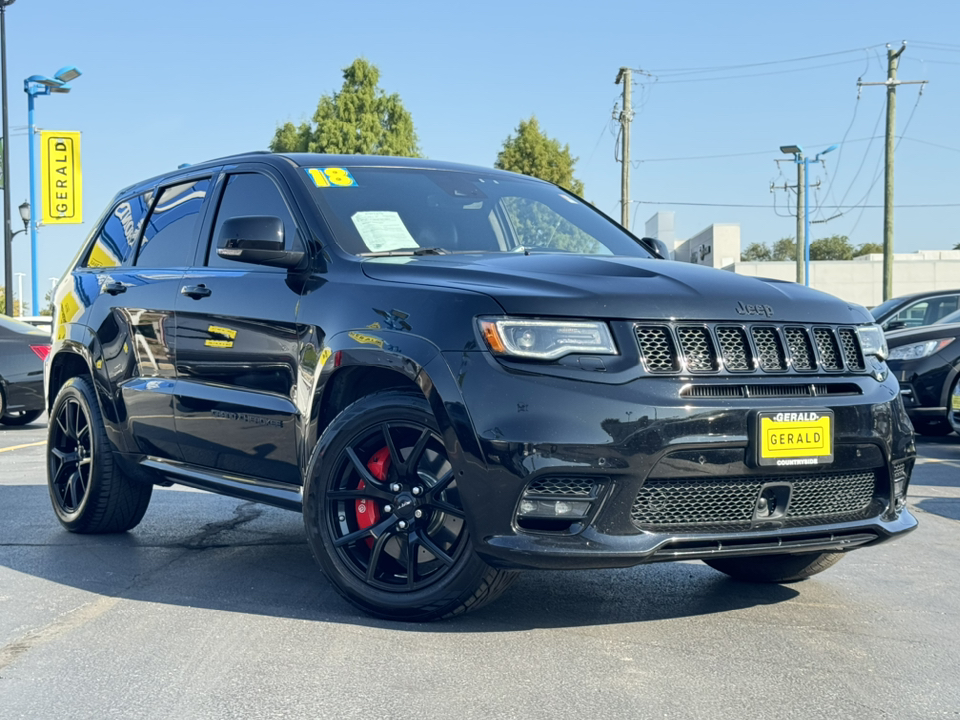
745	309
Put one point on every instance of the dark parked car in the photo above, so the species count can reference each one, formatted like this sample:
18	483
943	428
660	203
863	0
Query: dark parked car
455	373
916	309
23	349
926	361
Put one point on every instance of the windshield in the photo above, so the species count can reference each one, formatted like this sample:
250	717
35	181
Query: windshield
880	310
380	211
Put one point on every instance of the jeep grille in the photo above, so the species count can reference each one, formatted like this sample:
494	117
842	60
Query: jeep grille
717	348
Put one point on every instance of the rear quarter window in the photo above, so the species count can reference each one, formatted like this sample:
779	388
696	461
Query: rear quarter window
117	238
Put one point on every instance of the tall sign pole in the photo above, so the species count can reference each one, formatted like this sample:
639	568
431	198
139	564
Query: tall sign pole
5	159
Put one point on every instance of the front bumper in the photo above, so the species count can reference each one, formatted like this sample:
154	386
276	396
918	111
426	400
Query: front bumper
620	436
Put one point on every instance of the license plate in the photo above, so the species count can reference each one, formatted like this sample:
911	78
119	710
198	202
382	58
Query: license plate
795	439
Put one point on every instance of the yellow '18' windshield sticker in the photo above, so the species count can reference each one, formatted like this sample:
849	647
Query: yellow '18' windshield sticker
331	177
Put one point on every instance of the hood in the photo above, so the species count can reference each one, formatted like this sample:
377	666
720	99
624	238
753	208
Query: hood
594	286
897	338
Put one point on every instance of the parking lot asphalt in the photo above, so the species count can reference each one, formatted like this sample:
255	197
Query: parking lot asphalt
214	608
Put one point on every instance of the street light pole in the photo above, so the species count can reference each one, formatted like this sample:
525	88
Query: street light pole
33	86
803	186
5	159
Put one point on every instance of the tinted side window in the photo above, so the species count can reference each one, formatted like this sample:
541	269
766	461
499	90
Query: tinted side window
250	194
118	237
171	231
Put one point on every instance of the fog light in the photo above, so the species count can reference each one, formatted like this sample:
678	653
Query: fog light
554	508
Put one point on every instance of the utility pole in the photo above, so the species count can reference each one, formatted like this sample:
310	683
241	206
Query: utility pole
626	115
893	61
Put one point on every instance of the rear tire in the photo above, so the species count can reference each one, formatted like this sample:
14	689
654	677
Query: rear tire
933	428
88	491
22	417
775	568
413	561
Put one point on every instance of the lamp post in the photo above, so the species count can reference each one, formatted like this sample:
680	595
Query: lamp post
5	160
33	86
803	185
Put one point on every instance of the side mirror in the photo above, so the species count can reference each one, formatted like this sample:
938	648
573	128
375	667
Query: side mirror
256	239
659	245
895	325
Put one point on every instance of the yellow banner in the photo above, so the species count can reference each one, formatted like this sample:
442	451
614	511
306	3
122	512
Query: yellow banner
61	178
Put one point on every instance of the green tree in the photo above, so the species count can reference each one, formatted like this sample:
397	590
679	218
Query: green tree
785	249
957	246
19	308
835	247
756	252
868	249
531	152
361	119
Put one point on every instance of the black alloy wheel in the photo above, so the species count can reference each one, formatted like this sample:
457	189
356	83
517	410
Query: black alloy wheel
394	510
89	492
384	515
70	454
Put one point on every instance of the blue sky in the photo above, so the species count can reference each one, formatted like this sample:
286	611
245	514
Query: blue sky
171	82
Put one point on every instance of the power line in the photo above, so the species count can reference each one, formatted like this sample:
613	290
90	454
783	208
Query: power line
751	75
742	154
927	142
831	207
719	68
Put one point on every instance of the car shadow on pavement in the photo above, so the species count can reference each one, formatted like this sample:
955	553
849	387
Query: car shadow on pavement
201	550
945	507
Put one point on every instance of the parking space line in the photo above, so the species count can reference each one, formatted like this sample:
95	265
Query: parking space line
20	447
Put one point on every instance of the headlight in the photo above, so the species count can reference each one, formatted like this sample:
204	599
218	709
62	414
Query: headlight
546	339
919	350
873	341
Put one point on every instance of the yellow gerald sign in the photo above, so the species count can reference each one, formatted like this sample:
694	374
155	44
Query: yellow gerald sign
61	177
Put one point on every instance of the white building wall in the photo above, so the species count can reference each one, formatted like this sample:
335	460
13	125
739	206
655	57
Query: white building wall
861	280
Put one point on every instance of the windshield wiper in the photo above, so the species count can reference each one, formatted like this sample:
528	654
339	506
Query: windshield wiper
408	251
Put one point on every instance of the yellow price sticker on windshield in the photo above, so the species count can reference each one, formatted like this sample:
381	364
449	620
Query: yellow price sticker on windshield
331	177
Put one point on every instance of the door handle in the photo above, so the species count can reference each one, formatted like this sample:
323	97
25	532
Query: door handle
114	288
195	291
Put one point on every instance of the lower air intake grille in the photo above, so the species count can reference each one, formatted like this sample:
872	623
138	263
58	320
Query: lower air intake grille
565	487
721	504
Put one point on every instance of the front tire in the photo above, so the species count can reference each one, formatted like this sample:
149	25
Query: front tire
89	492
383	514
775	568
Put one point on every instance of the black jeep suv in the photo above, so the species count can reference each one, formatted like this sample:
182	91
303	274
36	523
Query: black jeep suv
455	373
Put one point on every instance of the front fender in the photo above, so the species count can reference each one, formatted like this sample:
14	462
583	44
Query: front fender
411	356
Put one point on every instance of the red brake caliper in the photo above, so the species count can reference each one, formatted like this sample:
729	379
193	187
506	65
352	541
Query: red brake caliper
368	513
